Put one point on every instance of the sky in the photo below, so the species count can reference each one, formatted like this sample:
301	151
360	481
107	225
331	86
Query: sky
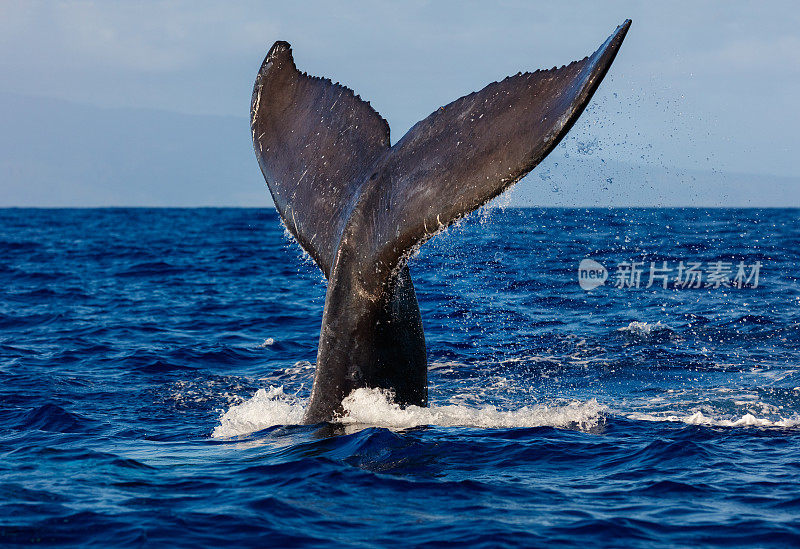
146	103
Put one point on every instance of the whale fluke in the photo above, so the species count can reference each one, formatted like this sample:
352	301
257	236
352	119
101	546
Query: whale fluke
360	207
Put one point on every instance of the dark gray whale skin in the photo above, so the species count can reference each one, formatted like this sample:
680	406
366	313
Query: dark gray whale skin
360	207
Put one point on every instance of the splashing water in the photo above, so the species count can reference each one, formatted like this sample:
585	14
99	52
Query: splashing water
375	408
266	409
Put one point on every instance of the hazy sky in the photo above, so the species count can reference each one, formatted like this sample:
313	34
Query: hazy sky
697	85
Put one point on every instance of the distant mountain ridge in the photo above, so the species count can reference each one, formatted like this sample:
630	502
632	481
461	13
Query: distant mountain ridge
56	153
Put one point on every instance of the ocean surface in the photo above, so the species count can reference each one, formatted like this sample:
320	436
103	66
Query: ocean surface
155	364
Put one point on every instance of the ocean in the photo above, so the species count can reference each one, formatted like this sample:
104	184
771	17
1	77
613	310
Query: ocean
155	364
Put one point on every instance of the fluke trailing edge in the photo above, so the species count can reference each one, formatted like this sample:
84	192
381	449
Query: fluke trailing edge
359	206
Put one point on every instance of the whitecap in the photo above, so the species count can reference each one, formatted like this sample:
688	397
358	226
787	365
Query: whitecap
698	418
267	343
646	329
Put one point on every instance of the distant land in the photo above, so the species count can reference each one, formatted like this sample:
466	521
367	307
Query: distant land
56	153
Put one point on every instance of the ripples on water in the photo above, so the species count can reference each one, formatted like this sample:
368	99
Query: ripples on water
154	365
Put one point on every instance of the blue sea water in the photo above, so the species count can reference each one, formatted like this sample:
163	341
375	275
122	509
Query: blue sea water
154	365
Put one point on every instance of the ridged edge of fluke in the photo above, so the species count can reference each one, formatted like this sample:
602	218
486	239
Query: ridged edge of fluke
280	47
611	44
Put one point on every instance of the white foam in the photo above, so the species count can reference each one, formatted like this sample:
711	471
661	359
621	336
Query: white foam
374	408
368	407
265	409
698	418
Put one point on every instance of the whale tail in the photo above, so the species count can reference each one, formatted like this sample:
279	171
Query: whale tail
360	207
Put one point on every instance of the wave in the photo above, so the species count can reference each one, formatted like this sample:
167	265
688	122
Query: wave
54	418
